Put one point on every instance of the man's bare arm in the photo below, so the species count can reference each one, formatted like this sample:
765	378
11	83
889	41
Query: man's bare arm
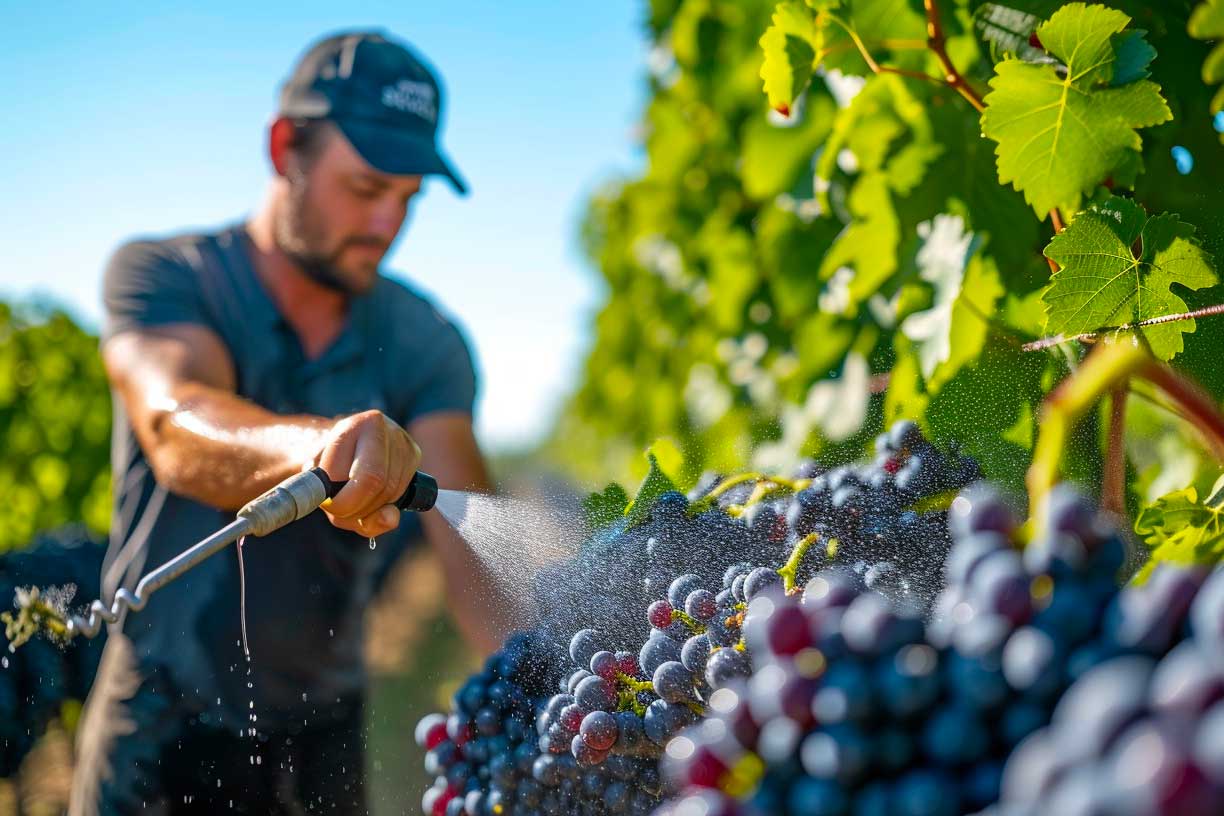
203	441
477	601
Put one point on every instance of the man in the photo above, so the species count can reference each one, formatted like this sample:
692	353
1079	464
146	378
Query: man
237	359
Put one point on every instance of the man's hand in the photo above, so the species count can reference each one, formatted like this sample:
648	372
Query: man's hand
378	458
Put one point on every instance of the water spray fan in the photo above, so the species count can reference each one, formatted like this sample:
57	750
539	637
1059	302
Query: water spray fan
292	499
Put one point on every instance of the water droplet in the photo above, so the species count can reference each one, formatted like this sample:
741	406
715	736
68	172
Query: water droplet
246	648
4	662
373	543
303	696
1183	159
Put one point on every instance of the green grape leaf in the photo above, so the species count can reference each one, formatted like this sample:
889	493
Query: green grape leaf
1133	54
1117	267
953	330
1181	529
603	508
1059	136
1207	23
656	483
790	54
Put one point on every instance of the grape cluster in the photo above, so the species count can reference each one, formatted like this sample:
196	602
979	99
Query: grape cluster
854	707
868	515
482	753
598	738
1137	734
38	678
841	676
617	709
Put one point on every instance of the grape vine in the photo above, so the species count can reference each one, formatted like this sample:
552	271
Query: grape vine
932	211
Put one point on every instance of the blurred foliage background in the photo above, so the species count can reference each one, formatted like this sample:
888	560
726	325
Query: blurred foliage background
54	424
761	272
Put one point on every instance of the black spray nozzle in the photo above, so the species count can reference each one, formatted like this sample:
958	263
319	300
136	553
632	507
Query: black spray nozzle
421	495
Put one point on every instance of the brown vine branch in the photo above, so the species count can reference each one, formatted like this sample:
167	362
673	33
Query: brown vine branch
935	41
1057	222
938	44
1113	483
1192	401
1089	337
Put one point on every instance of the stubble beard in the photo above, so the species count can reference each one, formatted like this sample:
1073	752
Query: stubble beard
299	237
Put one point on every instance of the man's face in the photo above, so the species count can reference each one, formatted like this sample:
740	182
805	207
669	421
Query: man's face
341	215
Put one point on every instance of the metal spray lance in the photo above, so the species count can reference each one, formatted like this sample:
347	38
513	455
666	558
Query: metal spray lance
292	499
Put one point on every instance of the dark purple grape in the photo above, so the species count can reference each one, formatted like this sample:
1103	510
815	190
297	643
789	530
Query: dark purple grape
583	646
681	588
1100	704
700	604
1033	662
1186	683
968	552
1147	618
673	682
725	664
585	754
980	509
604	664
761	579
599	730
657	650
1207	616
695	654
954	735
1209	744
1000	586
595	693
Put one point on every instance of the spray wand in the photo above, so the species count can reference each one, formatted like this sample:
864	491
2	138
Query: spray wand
292	499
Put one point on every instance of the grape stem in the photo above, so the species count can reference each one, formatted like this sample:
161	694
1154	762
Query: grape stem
695	707
938	44
790	570
689	622
752	476
1113	483
1107	367
1093	336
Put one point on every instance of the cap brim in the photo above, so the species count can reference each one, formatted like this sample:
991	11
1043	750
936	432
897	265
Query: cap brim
391	150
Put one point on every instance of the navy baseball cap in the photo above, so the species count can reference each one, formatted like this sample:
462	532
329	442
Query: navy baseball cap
379	94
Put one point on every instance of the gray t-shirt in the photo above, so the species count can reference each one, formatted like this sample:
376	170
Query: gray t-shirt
307	584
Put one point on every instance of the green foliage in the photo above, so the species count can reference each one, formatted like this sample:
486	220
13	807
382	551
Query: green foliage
1063	129
822	241
1118	267
601	508
653	486
1207	23
54	425
790	52
1181	528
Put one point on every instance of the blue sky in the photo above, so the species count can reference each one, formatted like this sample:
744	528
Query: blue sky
123	122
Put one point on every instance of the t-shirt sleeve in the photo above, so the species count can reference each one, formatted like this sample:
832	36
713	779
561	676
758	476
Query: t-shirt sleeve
449	377
149	284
